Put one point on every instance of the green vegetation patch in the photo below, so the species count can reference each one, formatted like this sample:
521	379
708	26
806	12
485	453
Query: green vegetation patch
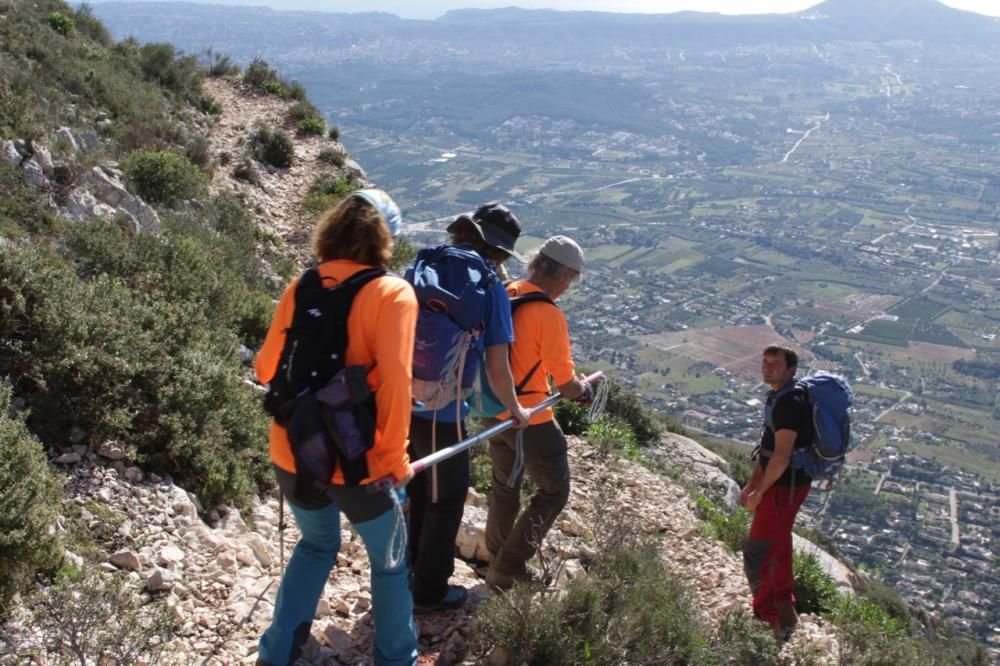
919	308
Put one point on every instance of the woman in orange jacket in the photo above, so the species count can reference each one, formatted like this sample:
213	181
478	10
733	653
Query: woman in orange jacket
354	236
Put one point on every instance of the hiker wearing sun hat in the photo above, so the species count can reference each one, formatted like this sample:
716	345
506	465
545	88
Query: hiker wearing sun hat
345	318
464	317
541	350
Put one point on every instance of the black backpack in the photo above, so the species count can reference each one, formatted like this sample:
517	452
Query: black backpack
327	407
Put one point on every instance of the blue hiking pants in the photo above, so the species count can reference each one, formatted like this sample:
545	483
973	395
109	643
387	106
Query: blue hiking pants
309	568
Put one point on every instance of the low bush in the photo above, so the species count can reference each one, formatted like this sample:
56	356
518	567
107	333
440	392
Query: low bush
611	434
815	591
246	171
61	23
311	126
572	418
220	64
29	505
326	192
198	152
162	176
334	133
272	147
743	640
731	528
301	111
332	156
136	342
174	71
628	609
261	78
90	618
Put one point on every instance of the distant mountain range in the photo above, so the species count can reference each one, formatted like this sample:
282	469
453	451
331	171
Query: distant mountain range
195	26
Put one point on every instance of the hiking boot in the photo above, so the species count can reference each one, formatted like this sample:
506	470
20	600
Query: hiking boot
787	616
503	581
454	598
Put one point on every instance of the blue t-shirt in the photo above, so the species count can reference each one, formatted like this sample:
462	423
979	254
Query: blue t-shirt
498	329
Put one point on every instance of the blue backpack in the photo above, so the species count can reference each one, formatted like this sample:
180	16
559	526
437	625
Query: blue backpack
829	398
452	285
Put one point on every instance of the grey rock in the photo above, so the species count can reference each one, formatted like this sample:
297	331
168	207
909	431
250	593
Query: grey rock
126	559
34	175
10	152
22	147
709	472
80	204
43	157
105	188
160	580
71	113
144	215
111	450
133	474
246	355
68	459
89	140
355	170
66	136
101	116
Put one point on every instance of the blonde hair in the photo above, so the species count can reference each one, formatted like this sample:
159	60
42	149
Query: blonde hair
353	230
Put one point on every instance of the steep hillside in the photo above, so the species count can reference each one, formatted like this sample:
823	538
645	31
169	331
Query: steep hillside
153	207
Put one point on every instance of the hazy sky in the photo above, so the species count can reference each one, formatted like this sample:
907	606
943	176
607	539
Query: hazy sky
434	8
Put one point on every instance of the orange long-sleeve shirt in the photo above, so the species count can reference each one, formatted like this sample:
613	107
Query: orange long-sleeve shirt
380	330
540	334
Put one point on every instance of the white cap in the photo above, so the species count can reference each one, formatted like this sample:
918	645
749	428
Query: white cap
564	251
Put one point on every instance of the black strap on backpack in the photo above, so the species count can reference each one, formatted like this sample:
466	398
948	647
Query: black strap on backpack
315	350
515	303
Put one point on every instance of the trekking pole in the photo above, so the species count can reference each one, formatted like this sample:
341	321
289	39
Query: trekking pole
447	452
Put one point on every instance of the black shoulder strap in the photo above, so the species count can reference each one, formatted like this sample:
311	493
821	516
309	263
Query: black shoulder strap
515	303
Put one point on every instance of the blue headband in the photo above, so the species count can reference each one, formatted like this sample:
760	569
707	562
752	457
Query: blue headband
384	204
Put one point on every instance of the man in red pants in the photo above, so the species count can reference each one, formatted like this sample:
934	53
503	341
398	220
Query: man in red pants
775	493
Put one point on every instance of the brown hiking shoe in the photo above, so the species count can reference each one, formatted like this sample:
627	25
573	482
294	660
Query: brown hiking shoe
787	615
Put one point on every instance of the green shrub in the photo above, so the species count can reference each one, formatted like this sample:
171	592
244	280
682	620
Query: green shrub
628	609
162	176
626	405
403	254
815	591
572	418
272	147
334	133
743	640
220	64
198	152
29	505
729	528
261	78
326	192
311	126
143	348
173	71
61	23
870	636
95	619
91	27
611	434
332	156
737	455
245	171
302	110
22	209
